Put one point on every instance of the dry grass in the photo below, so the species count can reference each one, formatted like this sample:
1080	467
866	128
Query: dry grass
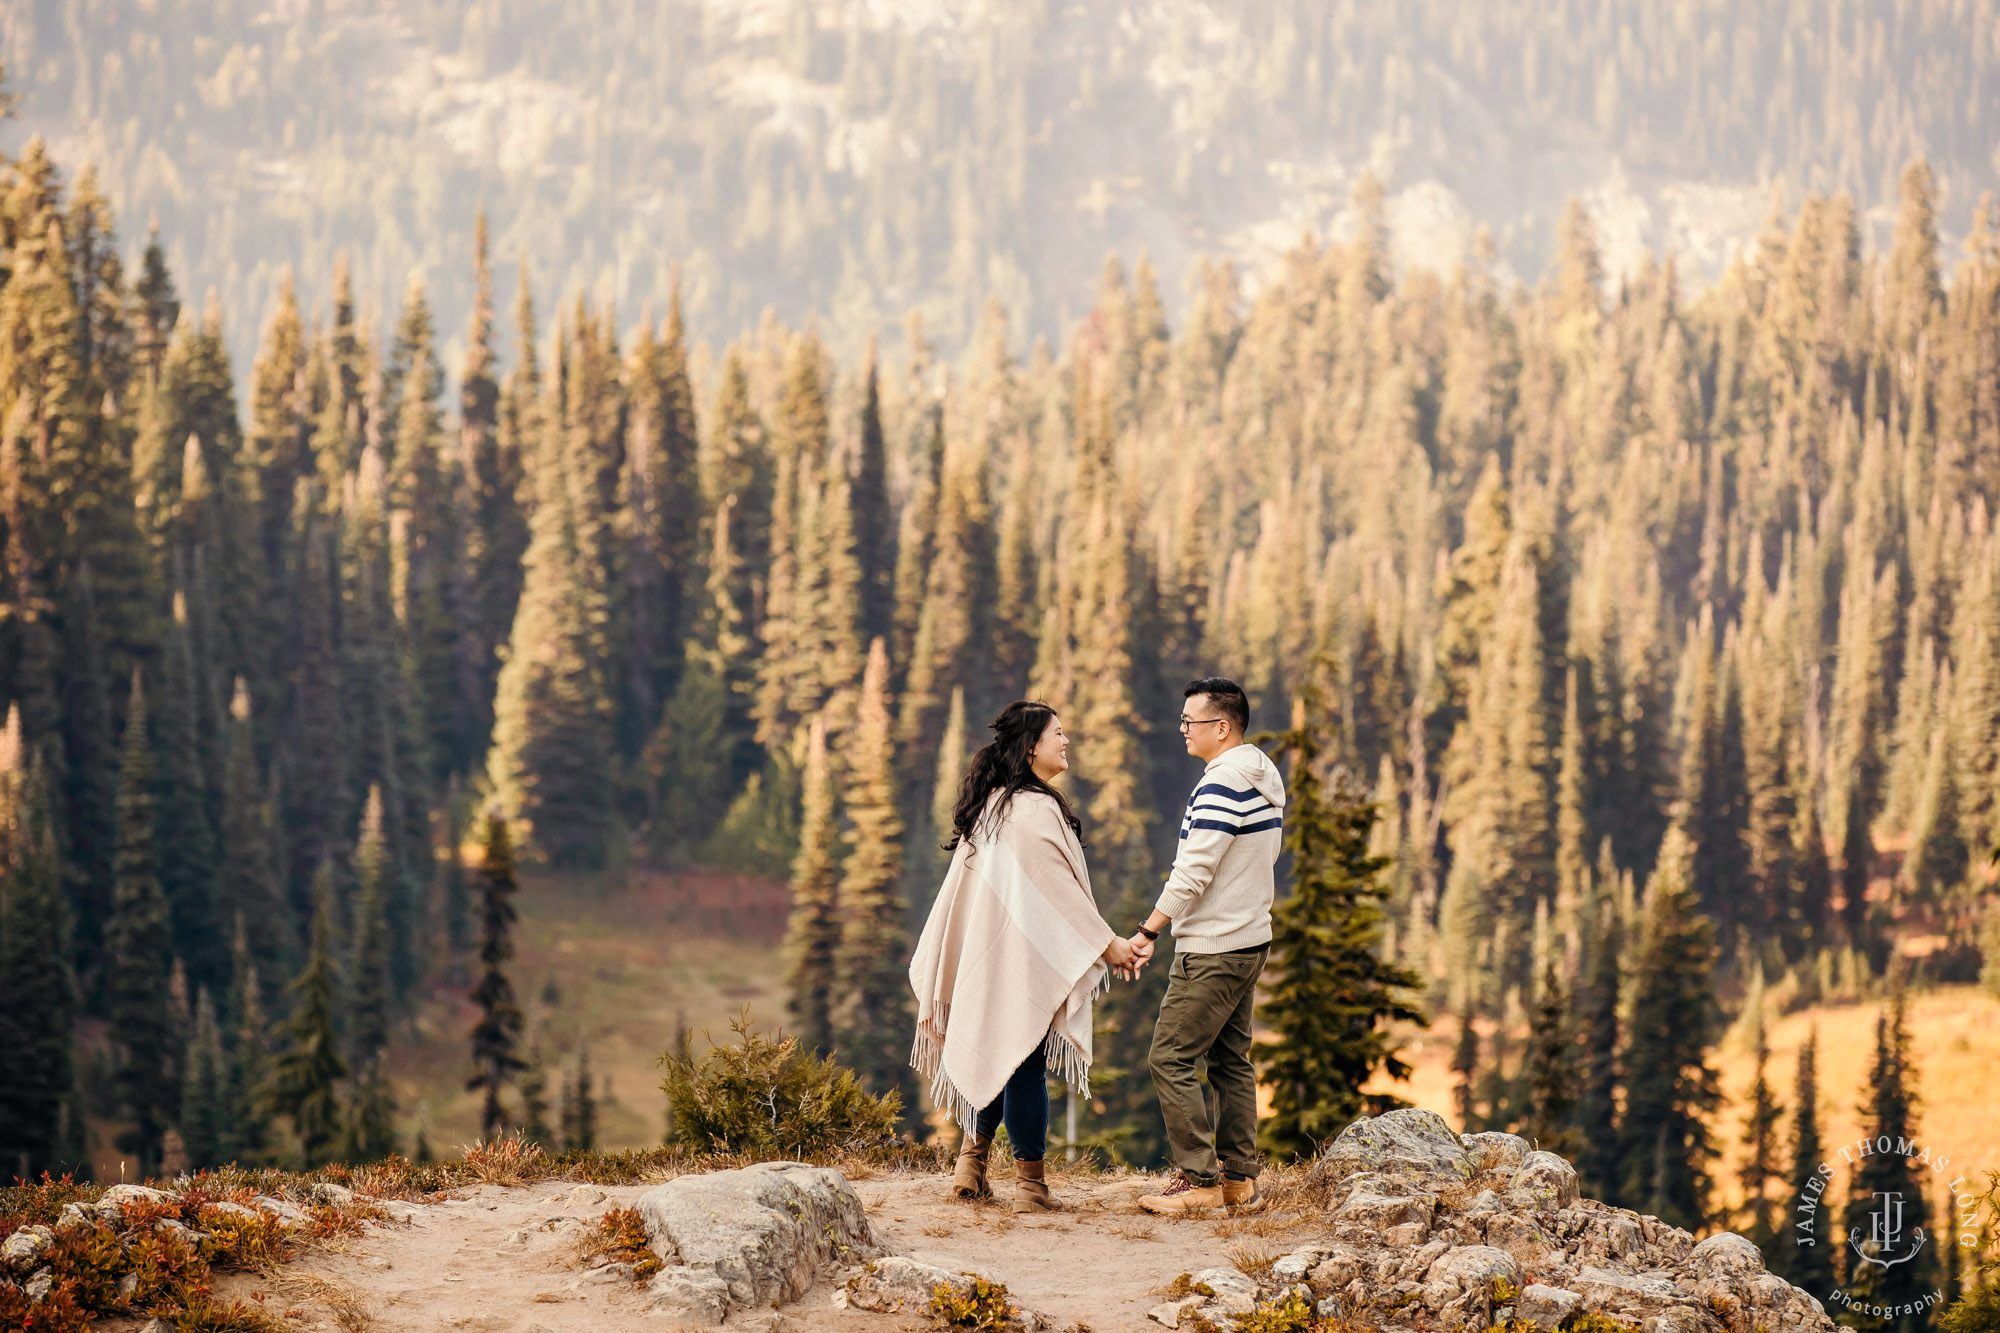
504	1162
349	1311
1142	1229
1251	1257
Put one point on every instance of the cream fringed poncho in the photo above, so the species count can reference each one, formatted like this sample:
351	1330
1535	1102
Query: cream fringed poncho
1010	959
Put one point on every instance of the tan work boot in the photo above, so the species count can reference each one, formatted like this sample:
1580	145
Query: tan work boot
1182	1195
968	1179
1241	1196
1032	1192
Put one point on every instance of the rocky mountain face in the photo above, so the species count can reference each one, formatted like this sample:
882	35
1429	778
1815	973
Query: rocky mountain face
859	159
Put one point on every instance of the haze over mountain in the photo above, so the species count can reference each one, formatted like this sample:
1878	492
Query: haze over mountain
856	159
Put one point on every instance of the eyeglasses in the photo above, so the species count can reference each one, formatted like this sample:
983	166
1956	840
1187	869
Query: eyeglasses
1187	722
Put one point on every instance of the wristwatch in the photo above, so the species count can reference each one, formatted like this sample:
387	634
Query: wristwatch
1149	934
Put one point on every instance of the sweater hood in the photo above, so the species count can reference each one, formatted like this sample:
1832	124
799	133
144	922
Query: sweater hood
1248	766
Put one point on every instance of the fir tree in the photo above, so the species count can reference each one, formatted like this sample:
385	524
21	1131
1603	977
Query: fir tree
497	1036
1465	1071
814	936
304	1083
368	1009
187	854
370	1132
90	771
1888	1182
1760	1145
37	990
1598	1161
249	1066
204	1114
1805	1251
138	941
873	965
579	1106
874	522
251	893
534	1087
1334	996
1552	1073
1670	1089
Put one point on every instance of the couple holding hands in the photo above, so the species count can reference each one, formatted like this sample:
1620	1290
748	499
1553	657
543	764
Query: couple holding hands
1015	952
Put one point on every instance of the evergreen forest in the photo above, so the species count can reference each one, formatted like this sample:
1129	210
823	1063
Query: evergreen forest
1644	631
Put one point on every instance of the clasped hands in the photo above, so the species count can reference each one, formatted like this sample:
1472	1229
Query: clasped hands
1128	957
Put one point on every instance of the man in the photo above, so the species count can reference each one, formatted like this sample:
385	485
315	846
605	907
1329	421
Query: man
1218	901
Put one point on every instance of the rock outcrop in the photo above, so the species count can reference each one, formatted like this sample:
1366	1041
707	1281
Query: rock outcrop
750	1239
1435	1229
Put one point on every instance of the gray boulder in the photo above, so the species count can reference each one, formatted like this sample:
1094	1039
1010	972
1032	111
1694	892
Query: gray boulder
1410	1143
764	1232
112	1205
1546	1306
21	1249
1495	1152
897	1284
1546	1181
691	1295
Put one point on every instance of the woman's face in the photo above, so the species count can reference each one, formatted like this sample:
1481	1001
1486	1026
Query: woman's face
1051	755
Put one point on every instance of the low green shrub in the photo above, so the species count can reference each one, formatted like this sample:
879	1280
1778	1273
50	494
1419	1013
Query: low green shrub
985	1308
764	1097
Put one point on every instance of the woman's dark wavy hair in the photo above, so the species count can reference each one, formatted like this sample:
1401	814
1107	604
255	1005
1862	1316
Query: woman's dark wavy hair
1005	764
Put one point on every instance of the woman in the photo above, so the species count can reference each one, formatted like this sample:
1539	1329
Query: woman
1012	956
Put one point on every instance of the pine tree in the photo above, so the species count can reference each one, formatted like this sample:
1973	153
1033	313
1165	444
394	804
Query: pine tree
1465	1071
249	1064
37	989
579	1106
138	941
497	1035
1598	1161
250	891
552	742
1552	1070
1333	996
874	520
1807	1248
813	939
1760	1145
204	1113
534	1088
1670	1089
90	770
370	1132
306	1075
687	762
187	854
1890	1181
873	966
369	1002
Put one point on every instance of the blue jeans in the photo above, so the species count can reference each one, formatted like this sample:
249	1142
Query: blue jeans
1024	1103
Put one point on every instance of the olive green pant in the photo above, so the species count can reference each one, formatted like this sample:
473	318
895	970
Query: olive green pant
1205	1019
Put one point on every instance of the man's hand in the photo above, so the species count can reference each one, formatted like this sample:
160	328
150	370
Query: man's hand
1142	952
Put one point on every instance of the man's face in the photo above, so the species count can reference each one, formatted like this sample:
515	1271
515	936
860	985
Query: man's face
1204	728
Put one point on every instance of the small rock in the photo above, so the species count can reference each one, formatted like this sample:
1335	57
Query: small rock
691	1295
38	1286
285	1210
1370	1212
228	1209
1409	1233
1769	1289
1605	1286
519	1237
1170	1313
1547	1179
1486	1201
1624	1238
1519	1237
608	1275
1495	1152
1726	1254
21	1248
1546	1306
335	1196
74	1215
375	1262
1336	1270
896	1283
112	1205
1295	1266
582	1197
127	1285
1234	1291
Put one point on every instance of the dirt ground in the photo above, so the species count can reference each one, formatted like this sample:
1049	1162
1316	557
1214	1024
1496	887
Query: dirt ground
500	1260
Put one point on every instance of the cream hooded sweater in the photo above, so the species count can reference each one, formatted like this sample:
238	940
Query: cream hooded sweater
1219	892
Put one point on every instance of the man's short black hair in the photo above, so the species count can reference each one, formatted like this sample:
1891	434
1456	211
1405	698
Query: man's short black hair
1227	696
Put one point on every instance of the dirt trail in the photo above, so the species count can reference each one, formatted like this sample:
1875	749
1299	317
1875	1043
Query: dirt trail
498	1260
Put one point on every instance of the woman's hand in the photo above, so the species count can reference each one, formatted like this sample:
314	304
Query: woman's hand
1119	955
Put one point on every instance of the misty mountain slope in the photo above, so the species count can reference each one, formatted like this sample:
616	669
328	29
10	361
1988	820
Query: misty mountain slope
855	159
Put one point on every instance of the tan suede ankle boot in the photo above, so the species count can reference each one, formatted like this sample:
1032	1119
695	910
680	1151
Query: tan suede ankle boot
1031	1194
968	1181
